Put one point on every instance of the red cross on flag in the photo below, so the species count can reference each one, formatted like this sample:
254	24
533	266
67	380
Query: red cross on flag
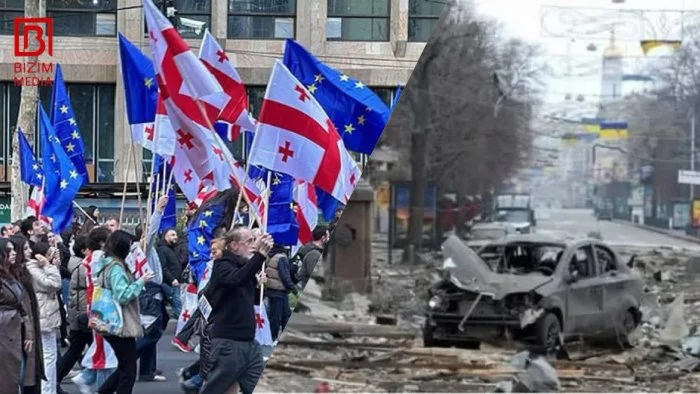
235	113
189	306
137	262
263	334
306	213
145	134
191	95
296	137
35	204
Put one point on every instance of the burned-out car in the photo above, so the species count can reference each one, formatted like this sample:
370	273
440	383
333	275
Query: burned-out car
535	289
481	234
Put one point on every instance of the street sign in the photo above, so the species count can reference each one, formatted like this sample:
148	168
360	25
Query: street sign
689	177
5	210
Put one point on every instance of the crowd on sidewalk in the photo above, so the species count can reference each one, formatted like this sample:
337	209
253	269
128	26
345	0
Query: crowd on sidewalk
99	298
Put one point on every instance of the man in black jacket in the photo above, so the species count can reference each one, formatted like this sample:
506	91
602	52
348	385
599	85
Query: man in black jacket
235	355
172	270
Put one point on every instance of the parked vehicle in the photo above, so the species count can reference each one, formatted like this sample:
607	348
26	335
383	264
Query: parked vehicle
533	288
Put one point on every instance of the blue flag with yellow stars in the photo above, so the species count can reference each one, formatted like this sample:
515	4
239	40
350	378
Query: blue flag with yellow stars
281	219
29	169
355	110
200	233
66	127
61	179
169	219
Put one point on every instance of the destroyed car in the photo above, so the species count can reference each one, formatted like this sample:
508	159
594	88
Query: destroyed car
534	289
481	234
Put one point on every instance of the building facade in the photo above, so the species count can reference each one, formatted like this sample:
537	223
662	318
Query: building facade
375	41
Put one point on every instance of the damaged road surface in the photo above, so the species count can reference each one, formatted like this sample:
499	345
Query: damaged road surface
533	288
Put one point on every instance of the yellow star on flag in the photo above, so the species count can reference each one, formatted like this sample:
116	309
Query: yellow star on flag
312	88
202	223
276	180
72	121
70	147
73	174
64	109
349	128
361	120
75	134
148	82
344	78
53	158
208	213
35	167
319	78
359	85
201	240
64	184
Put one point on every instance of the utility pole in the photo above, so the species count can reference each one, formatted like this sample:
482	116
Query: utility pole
26	119
692	151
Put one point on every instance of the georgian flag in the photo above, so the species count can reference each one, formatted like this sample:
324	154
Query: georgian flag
99	355
138	263
189	306
296	137
192	97
263	334
235	116
35	204
306	213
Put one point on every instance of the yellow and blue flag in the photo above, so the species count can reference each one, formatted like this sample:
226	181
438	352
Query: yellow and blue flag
614	130
591	125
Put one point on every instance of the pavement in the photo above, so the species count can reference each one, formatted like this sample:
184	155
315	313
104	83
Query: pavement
581	222
170	359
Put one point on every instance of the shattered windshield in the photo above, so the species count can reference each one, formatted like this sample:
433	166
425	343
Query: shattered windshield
523	258
513	216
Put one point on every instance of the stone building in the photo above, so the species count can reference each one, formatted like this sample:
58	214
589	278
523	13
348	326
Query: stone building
375	41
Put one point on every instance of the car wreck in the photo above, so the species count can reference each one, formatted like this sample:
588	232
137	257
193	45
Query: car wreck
535	289
481	234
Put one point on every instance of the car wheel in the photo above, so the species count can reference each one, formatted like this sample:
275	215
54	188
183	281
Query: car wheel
428	336
548	331
626	330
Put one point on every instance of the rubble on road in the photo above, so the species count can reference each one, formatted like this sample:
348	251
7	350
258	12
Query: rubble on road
343	346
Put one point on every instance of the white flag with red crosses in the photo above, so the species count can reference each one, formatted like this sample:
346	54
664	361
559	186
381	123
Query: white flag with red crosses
138	263
263	334
189	306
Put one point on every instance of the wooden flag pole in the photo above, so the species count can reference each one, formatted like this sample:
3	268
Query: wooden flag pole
238	202
264	228
126	180
142	219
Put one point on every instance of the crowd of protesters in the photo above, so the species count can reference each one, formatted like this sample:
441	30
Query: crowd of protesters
47	283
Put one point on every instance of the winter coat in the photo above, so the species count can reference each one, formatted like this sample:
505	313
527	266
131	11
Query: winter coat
78	292
311	255
279	276
172	270
19	322
115	276
47	282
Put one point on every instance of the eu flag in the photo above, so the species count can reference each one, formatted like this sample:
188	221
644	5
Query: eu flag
356	111
62	180
158	181
200	233
327	204
281	219
66	127
29	169
140	87
397	96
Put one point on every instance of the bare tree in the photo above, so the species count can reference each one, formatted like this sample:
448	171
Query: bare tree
26	121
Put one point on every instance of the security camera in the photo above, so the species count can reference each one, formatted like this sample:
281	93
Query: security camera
196	25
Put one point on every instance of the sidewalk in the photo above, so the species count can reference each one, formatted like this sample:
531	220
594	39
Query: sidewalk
678	234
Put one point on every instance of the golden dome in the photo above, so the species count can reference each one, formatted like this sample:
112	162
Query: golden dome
613	50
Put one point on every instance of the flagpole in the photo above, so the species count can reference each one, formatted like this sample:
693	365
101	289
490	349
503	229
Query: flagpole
126	180
83	211
138	179
238	202
164	178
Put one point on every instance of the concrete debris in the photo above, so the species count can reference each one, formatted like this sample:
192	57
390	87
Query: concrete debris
369	357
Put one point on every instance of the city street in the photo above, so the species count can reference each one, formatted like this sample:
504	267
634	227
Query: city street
169	360
581	222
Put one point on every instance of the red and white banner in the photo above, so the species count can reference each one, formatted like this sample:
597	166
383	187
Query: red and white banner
296	137
138	263
189	306
306	213
263	334
35	204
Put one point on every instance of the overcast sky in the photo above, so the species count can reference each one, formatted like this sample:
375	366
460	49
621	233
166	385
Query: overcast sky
540	20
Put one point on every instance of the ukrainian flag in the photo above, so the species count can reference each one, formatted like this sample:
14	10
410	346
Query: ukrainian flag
591	125
614	130
648	45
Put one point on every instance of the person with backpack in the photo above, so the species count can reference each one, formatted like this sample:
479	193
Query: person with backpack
310	254
279	285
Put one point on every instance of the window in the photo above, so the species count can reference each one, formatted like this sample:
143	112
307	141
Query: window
606	260
582	262
423	16
83	17
261	19
94	112
358	20
9	10
386	94
193	17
